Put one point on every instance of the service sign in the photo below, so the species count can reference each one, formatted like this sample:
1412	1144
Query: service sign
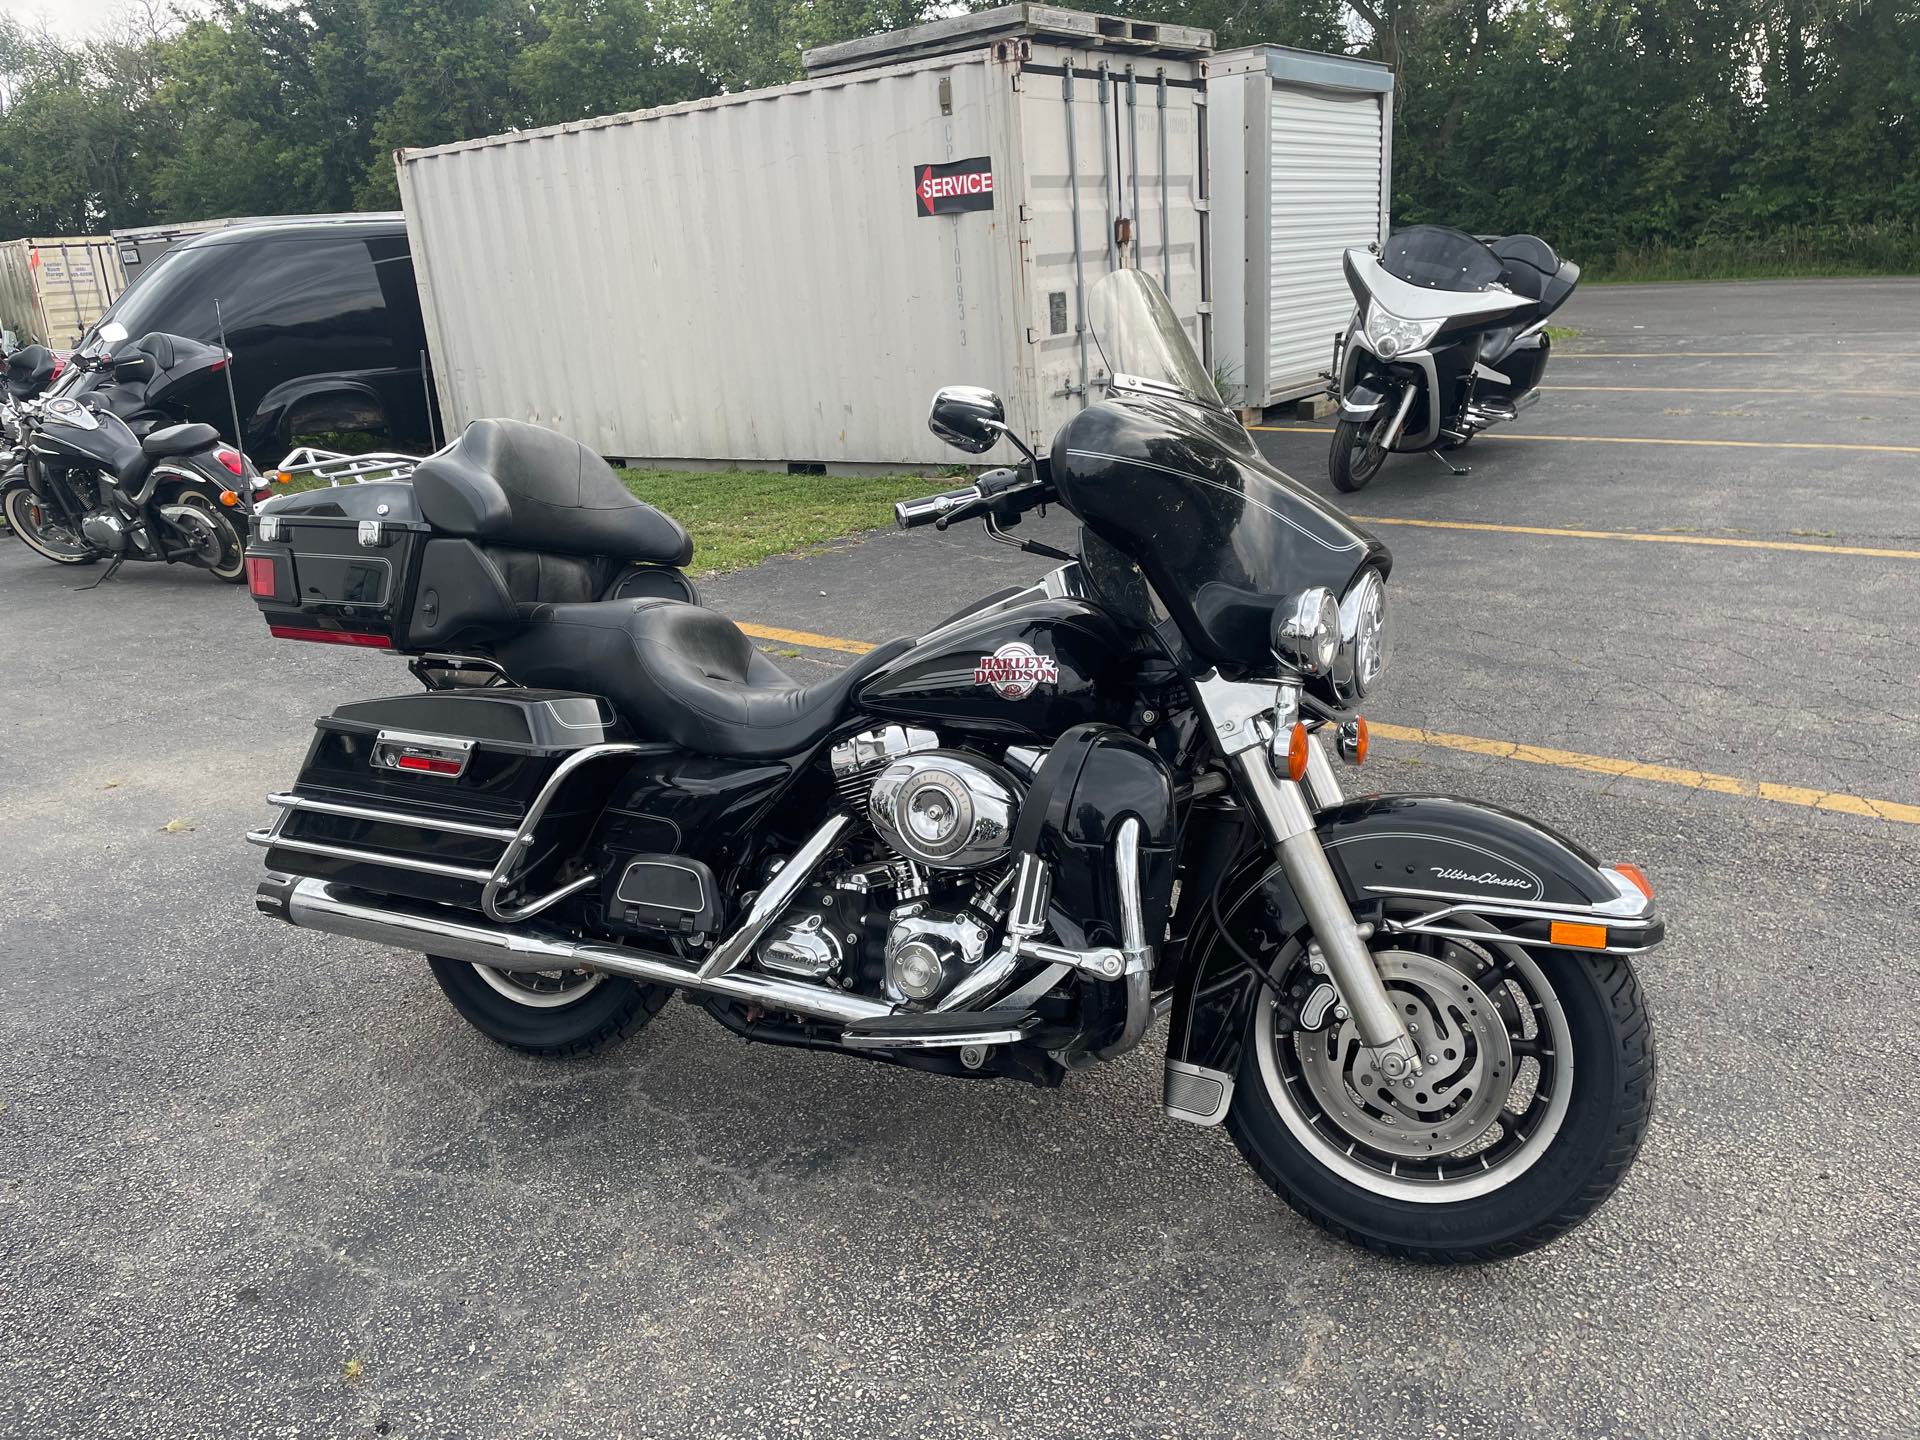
957	185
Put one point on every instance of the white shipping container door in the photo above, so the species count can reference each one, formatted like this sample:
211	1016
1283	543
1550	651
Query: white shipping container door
742	279
1325	158
1113	144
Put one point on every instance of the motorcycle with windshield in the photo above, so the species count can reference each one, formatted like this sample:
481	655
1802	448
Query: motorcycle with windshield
104	468
1448	338
1005	848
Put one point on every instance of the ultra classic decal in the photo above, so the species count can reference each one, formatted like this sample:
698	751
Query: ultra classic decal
1532	882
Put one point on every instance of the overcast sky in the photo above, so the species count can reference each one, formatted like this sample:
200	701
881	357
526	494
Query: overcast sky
73	19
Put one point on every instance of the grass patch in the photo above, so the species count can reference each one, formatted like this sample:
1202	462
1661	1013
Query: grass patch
740	517
1794	253
1560	333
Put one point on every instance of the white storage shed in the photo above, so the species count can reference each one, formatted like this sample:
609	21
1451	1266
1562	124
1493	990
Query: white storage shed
1301	149
785	276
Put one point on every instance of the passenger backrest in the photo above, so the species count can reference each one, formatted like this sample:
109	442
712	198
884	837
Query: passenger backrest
511	484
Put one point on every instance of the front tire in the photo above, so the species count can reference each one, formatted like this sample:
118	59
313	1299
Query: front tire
1357	453
1430	1176
555	1014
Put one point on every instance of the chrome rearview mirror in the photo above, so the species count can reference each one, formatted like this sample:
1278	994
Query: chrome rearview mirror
968	418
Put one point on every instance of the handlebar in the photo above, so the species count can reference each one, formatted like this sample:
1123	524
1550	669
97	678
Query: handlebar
951	505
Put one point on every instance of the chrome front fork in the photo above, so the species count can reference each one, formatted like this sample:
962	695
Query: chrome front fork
1246	718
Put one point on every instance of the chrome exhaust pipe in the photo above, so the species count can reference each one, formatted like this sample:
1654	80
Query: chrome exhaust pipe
315	905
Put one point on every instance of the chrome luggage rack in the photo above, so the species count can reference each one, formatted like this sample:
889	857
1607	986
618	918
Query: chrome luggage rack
337	468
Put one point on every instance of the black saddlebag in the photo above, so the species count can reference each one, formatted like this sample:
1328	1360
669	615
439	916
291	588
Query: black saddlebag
423	795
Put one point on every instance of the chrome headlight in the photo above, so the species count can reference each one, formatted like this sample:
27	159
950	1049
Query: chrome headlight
1364	638
1390	335
1306	631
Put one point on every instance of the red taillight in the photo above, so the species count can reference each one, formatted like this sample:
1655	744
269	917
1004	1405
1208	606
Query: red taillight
261	494
217	367
428	764
260	576
231	459
59	364
330	637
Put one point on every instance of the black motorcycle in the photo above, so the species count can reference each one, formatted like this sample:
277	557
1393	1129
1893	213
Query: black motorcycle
1448	338
101	467
1005	848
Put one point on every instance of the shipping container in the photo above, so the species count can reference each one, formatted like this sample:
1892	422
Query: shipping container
785	276
52	290
1301	148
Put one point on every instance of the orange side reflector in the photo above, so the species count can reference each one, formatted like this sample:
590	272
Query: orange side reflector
1297	753
1638	877
1580	937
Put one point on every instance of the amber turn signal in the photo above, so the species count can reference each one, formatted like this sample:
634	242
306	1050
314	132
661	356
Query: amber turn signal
1638	877
1578	937
1353	741
1297	753
229	498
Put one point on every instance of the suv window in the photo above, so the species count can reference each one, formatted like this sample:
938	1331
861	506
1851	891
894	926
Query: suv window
321	290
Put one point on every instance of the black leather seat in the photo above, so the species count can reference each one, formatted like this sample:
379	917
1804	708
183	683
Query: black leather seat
178	440
516	484
682	673
29	371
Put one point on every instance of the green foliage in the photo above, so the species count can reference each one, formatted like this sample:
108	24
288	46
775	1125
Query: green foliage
1640	136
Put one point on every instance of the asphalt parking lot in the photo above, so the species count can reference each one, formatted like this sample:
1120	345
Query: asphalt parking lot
255	1181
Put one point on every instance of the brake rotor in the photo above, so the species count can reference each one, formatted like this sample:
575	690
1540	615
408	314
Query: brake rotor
1465	1049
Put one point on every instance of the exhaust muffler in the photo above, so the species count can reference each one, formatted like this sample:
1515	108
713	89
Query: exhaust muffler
315	905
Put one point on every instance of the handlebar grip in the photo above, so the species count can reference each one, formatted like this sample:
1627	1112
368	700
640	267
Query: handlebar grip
909	514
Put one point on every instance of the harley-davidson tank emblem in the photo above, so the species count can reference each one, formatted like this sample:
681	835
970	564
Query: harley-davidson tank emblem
1016	670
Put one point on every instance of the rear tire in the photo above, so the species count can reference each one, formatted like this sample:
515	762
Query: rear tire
232	567
543	1021
1357	455
19	505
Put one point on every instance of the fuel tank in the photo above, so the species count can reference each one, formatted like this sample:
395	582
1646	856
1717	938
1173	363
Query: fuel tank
1026	667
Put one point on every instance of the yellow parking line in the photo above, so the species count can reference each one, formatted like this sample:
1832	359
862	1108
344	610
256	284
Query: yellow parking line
1646	440
807	638
1730	390
1648	539
1836	801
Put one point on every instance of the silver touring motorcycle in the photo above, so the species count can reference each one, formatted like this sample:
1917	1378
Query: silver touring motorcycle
1004	849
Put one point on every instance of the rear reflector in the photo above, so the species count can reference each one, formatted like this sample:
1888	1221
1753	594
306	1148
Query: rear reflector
429	764
1580	937
330	637
260	579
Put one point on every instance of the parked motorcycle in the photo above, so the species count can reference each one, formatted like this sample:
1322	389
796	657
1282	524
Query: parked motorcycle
30	369
1004	848
102	469
1448	338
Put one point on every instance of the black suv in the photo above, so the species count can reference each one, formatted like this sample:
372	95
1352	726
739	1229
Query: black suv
322	318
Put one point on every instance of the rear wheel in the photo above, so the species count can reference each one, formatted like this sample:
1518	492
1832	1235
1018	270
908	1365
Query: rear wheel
221	548
555	1013
34	523
1536	1092
1358	451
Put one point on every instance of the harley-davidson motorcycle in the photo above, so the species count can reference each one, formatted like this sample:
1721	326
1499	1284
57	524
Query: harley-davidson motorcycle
102	469
1448	338
1005	848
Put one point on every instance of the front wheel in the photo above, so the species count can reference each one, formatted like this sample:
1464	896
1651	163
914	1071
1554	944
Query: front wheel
1536	1092
553	1013
43	532
1358	451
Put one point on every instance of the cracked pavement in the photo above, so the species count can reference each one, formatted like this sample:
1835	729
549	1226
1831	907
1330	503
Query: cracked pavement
258	1182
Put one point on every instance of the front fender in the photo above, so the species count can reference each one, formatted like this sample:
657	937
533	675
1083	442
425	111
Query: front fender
1413	865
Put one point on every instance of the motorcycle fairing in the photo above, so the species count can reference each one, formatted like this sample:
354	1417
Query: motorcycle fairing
1500	876
1221	535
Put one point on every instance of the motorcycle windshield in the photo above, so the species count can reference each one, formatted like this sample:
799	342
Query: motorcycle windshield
1440	258
1142	340
1172	491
